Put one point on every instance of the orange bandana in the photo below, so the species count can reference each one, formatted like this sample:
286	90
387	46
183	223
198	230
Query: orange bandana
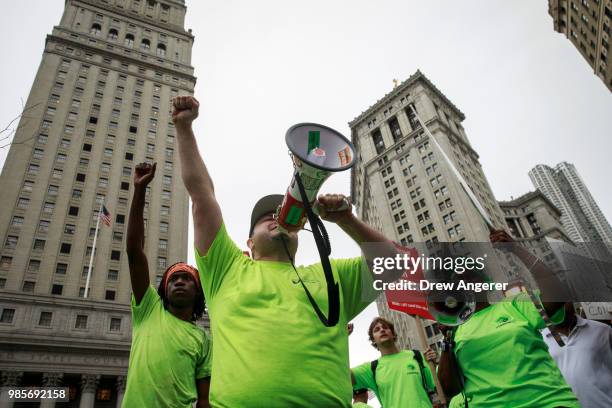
182	267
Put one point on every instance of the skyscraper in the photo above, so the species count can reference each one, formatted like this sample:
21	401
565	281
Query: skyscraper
403	186
581	217
586	23
100	103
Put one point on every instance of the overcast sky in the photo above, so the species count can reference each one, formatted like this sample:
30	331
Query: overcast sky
527	94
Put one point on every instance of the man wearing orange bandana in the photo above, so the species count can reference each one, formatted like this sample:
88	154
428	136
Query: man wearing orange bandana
170	356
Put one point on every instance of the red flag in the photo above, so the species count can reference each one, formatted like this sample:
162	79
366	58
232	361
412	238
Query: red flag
412	302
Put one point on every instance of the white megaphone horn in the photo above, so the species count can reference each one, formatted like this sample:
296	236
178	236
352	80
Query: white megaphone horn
316	151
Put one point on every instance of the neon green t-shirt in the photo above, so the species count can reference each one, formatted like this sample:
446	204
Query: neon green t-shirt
361	405
271	350
167	356
398	381
505	361
457	402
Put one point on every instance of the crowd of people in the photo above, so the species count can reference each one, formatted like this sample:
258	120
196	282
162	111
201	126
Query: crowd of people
271	350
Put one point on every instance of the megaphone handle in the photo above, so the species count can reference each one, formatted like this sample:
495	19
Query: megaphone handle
316	207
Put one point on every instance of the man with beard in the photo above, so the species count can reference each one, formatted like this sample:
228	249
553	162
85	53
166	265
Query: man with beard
399	378
170	355
262	318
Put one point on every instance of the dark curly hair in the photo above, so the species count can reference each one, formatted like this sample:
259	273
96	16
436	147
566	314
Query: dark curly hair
199	303
384	322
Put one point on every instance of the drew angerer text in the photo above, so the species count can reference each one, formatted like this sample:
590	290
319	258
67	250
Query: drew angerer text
424	284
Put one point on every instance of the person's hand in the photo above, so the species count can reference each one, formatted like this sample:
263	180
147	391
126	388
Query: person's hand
330	207
500	236
143	174
185	110
430	355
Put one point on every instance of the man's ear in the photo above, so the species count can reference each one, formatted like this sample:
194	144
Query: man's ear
250	243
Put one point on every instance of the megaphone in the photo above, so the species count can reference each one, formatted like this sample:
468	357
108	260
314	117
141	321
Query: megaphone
317	151
451	307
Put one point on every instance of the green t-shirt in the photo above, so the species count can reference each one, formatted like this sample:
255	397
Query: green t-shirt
457	402
398	381
271	349
361	405
505	361
167	356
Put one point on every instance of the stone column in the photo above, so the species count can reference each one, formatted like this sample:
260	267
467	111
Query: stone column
121	383
9	379
51	380
89	385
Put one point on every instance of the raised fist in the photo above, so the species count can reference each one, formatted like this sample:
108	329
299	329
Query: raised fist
143	174
185	110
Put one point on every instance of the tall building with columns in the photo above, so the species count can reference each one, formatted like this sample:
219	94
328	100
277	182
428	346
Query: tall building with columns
403	186
100	103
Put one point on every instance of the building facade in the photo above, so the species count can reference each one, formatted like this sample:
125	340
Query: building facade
403	186
587	23
535	222
100	104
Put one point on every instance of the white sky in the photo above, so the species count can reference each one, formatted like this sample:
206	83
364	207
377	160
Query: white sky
528	95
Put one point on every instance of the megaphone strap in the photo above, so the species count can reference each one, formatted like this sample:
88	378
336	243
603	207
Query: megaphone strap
324	248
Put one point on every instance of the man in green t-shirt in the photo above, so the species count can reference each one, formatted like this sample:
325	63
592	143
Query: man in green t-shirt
499	352
170	356
399	378
271	349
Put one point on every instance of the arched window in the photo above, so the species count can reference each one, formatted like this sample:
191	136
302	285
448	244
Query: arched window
161	50
145	44
113	34
95	29
129	40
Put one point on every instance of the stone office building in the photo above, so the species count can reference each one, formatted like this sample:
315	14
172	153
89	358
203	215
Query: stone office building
100	103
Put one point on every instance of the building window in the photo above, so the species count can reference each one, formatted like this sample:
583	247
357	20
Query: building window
95	29
17	222
45	319
65	248
6	262
76	194
57	289
39	245
7	315
73	211
38	154
81	322
80	177
125	185
161	263
109	295
23	203
115	255
113	34
43	226
48	207
115	324
129	40
61	268
113	274
33	265
28	286
52	190
11	242
161	50
120	219
163	227
145	44
163	244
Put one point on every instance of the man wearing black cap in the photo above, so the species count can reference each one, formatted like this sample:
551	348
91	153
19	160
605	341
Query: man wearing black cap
271	349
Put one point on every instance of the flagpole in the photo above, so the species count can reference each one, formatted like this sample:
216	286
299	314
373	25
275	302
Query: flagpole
93	250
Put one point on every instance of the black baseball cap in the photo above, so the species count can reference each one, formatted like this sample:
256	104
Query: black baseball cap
265	205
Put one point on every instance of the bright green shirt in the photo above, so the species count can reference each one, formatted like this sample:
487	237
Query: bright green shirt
398	381
457	402
361	405
271	349
505	361
167	356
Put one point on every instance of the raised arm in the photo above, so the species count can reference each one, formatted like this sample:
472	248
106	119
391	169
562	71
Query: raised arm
549	284
206	212
137	260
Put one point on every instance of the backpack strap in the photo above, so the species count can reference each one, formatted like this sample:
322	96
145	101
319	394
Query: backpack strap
373	366
419	359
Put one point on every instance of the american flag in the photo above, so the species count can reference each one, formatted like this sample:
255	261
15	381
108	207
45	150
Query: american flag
105	216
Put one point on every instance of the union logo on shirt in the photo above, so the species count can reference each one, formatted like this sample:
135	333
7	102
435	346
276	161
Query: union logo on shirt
502	320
